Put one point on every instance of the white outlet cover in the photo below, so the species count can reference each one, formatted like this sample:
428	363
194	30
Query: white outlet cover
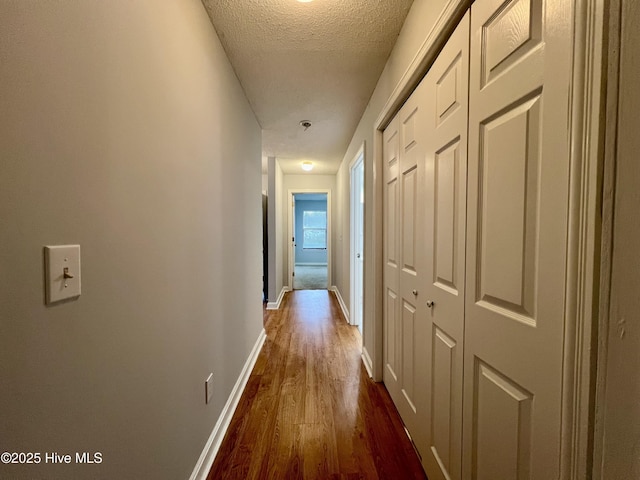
208	388
57	259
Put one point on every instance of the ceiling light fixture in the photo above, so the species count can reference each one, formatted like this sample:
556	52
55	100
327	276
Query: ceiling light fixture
307	166
305	1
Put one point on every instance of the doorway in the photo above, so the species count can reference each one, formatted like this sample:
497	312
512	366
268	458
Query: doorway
356	251
309	252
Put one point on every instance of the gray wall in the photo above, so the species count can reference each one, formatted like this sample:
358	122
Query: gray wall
306	256
123	128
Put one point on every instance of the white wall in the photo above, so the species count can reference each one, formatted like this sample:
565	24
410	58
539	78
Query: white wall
418	24
620	410
123	128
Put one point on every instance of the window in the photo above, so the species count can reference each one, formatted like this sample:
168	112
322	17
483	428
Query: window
314	229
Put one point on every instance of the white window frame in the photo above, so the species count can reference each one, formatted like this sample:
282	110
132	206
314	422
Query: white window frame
305	229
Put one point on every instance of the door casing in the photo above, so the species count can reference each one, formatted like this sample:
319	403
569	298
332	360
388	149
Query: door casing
356	219
291	232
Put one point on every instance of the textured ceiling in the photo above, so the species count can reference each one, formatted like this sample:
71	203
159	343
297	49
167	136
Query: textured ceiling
317	61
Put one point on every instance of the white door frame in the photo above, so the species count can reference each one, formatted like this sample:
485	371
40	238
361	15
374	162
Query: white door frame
355	229
614	45
292	234
292	250
586	139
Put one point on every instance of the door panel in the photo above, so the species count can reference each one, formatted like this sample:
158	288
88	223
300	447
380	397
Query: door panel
405	331
516	238
408	275
508	169
391	217
447	191
445	224
503	432
449	96
391	308
409	218
408	354
409	158
415	334
443	403
391	326
511	30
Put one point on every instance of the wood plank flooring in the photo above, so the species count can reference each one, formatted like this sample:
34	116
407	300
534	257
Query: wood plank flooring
310	411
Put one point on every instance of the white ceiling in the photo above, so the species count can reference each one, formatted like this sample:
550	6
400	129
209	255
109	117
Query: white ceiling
317	61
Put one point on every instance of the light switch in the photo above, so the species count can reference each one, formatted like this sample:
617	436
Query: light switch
62	272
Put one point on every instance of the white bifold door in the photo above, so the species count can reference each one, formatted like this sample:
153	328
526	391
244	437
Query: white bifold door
516	238
425	156
405	335
444	212
476	187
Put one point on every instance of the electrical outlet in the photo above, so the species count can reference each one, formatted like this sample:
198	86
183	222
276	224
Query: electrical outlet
208	388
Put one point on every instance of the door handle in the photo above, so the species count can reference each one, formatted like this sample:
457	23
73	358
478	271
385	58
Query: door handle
430	303
357	255
415	292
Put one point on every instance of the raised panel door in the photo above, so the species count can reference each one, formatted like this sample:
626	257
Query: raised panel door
444	270
411	120
391	304
518	178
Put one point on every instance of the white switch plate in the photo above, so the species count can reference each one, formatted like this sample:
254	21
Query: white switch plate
57	259
208	388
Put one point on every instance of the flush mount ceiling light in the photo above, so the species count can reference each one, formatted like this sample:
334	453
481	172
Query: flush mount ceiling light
305	1
307	166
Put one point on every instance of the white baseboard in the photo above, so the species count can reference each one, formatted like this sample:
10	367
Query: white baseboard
212	446
276	305
366	359
343	306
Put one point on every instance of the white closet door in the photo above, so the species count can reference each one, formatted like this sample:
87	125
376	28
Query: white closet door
405	331
516	238
414	334
445	225
391	252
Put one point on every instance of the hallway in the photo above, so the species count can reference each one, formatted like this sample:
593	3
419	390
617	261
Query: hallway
479	161
309	409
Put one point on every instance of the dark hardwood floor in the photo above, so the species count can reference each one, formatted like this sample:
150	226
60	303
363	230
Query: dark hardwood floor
310	411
